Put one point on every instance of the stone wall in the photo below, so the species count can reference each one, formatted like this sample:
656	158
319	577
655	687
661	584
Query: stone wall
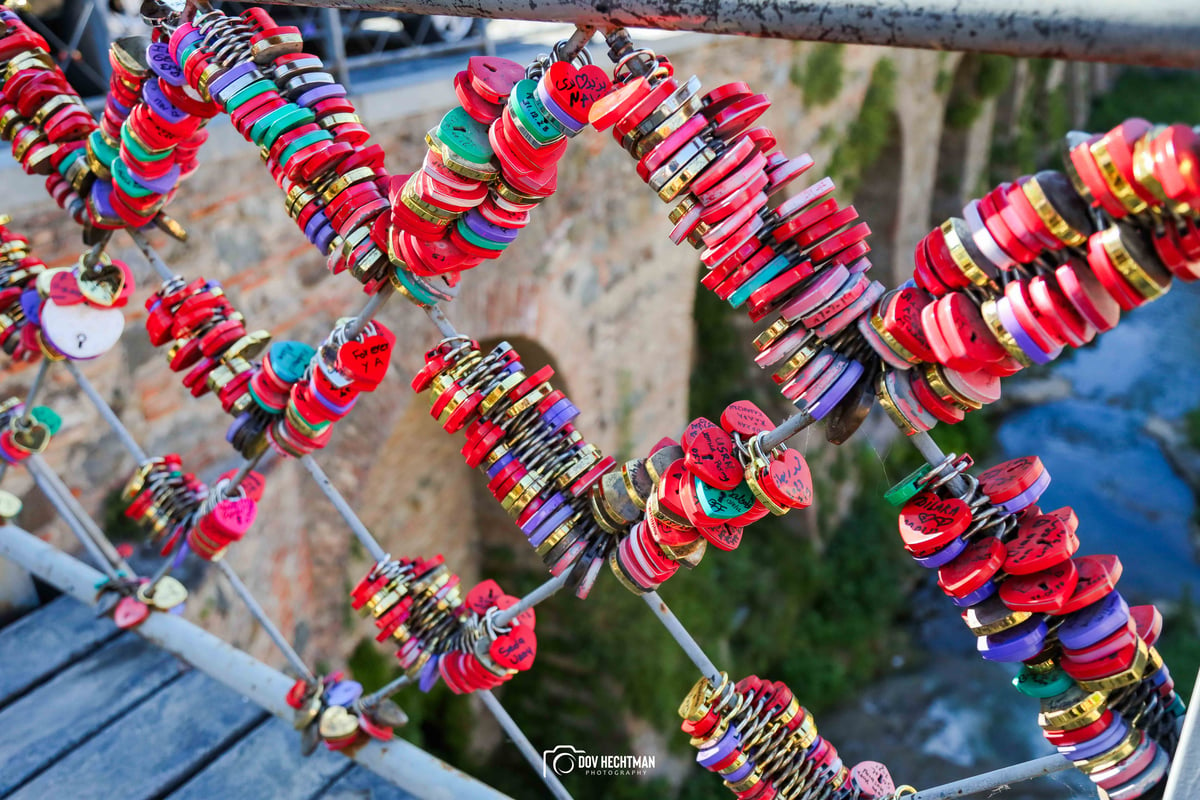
593	285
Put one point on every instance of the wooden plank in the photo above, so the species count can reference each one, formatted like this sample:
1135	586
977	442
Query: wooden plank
68	709
154	747
45	641
362	784
266	763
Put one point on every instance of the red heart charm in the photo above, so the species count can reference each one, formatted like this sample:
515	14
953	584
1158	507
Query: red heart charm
296	694
726	537
130	612
708	454
366	361
483	596
1046	591
1109	665
253	484
1041	543
231	518
1149	622
493	77
928	522
515	650
1066	515
127	288
1098	575
972	568
576	90
788	480
872	780
64	288
526	618
1005	481
745	419
666	441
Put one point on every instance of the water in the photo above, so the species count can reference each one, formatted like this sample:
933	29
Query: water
1128	499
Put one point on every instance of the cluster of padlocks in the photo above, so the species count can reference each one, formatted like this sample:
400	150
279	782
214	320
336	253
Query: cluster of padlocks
1035	265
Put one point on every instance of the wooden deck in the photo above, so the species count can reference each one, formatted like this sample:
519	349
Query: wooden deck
87	711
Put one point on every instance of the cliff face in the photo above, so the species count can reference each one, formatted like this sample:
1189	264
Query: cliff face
593	286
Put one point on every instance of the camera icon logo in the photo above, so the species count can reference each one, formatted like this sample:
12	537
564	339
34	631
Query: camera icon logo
561	760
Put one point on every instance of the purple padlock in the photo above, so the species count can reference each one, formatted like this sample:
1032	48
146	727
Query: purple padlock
834	394
429	674
546	528
500	464
544	510
31	305
1029	496
160	185
160	105
976	597
1009	320
721	750
343	693
158	55
1090	624
943	556
489	230
1018	643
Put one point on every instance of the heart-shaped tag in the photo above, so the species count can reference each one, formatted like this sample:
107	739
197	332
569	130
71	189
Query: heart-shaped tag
576	90
1098	576
64	288
483	596
1005	481
337	723
928	522
296	694
130	613
366	361
745	419
515	650
81	331
1041	542
1046	591
168	593
232	517
32	438
872	780
388	713
252	484
1149	622
494	77
101	285
726	537
788	480
465	137
528	617
972	567
708	454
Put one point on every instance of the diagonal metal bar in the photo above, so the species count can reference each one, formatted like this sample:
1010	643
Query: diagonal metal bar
74	524
344	508
546	590
35	462
681	635
996	779
404	764
110	416
1086	30
523	744
260	614
151	254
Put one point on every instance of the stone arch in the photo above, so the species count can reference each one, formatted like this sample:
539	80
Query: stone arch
878	200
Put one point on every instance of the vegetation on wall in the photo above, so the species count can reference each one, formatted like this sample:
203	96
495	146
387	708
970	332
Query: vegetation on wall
820	79
868	135
980	77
